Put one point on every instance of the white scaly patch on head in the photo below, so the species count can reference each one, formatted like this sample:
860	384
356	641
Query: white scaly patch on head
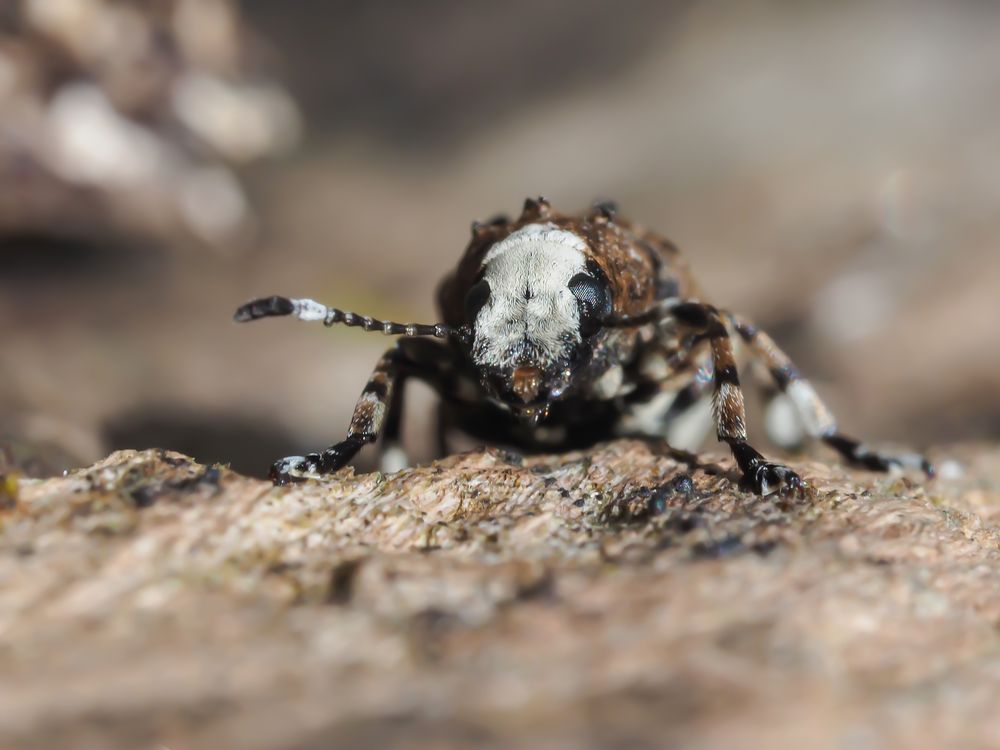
530	307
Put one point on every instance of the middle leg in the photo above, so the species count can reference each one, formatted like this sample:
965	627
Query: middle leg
672	392
759	474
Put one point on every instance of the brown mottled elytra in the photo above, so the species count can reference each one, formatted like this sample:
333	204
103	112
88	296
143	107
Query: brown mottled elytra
559	331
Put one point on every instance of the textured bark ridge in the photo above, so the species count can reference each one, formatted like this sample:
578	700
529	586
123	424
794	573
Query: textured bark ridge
614	597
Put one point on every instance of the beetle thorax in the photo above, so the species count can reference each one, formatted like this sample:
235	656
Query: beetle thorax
531	316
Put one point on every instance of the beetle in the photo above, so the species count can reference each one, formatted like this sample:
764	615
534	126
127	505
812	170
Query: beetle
562	330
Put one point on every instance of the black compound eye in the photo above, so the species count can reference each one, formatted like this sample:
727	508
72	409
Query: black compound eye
475	299
593	297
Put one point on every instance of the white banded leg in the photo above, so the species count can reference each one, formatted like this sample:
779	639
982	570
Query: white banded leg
366	423
759	475
816	418
378	410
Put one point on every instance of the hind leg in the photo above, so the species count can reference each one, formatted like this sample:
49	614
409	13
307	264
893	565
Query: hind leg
817	419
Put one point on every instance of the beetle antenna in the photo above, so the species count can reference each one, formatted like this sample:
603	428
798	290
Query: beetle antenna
307	309
649	315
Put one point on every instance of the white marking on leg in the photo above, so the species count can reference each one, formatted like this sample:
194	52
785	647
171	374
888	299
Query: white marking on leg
689	429
609	384
766	488
729	410
393	459
297	466
647	418
288	462
950	470
783	422
378	408
685	431
654	367
816	420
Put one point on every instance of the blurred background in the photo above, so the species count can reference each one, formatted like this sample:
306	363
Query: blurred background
831	170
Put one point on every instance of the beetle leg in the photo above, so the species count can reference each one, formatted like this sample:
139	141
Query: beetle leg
442	428
429	361
817	419
379	407
759	474
670	401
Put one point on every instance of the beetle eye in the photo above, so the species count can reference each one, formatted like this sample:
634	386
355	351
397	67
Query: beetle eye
475	299
593	299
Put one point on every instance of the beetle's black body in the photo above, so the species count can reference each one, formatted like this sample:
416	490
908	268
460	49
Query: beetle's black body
559	331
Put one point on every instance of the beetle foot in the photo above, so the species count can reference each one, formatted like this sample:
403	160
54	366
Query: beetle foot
768	478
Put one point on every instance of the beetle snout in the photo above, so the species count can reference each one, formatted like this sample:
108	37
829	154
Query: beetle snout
525	383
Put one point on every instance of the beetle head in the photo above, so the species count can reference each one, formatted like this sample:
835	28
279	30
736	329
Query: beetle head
533	315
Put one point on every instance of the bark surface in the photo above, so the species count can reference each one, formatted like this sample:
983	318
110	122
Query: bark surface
614	597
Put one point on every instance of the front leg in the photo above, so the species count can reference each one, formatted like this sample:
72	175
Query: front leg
759	474
378	408
369	415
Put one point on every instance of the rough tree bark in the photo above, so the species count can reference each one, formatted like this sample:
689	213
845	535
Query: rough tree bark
609	597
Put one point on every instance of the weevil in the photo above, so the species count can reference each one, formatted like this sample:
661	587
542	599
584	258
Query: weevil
562	330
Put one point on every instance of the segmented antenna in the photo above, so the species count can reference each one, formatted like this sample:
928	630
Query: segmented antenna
639	319
654	314
307	309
